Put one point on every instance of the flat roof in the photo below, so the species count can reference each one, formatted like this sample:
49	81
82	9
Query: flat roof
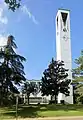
32	80
63	9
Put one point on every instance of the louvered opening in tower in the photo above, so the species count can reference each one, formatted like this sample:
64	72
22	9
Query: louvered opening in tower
64	17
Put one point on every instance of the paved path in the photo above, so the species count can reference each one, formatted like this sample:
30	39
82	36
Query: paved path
54	118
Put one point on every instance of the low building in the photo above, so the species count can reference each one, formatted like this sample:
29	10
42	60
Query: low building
36	97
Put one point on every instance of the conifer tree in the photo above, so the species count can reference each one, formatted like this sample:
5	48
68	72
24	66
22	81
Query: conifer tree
55	80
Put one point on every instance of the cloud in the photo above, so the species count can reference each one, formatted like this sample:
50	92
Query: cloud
3	19
2	3
25	10
3	40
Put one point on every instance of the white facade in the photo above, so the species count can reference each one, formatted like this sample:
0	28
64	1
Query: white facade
63	47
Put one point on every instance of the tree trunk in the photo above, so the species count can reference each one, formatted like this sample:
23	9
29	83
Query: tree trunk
2	95
55	99
51	97
24	97
28	99
1	99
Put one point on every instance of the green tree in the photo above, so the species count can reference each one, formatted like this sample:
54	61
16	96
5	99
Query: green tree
13	4
78	79
55	80
11	69
29	88
79	69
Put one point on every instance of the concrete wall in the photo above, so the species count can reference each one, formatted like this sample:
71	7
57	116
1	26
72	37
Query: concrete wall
63	47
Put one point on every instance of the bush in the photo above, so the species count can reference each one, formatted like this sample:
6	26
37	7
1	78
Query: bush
62	102
52	102
38	103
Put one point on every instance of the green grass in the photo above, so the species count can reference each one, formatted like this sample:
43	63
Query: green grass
41	111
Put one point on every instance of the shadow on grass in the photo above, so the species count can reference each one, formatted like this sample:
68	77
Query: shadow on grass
24	112
32	110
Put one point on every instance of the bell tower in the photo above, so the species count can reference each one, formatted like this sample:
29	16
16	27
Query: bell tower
63	47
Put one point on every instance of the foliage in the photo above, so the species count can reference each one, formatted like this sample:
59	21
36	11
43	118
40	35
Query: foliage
11	69
78	79
79	62
55	79
29	87
78	90
13	4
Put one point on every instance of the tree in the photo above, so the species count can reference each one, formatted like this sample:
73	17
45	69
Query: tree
78	79
55	80
13	4
29	88
79	62
11	69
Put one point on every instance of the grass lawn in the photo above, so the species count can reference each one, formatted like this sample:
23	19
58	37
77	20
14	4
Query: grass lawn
41	111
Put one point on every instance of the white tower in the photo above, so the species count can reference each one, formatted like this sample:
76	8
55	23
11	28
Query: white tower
63	47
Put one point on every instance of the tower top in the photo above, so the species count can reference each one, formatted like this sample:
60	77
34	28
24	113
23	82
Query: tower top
63	9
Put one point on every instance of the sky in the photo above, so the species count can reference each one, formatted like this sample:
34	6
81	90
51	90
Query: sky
33	26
